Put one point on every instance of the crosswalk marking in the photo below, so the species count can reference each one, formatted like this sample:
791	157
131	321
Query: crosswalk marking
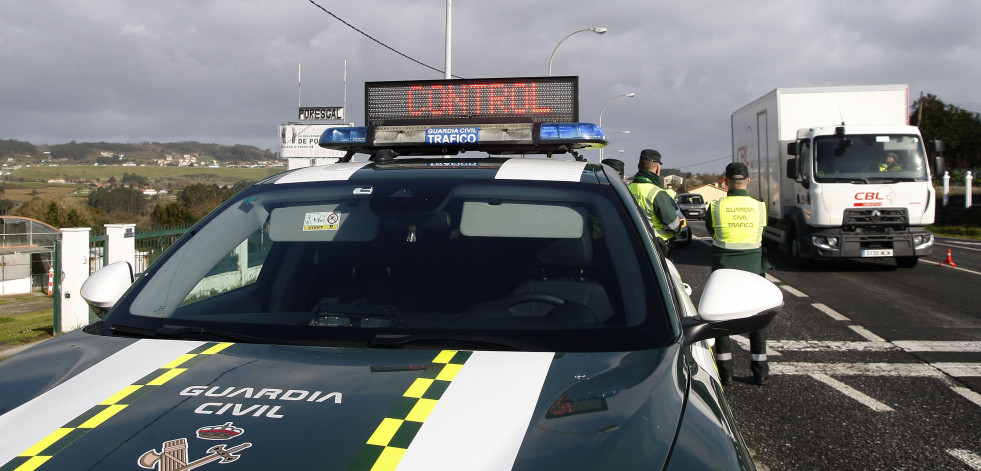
967	457
852	393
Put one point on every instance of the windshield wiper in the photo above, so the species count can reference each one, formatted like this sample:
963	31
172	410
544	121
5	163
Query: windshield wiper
400	340
178	331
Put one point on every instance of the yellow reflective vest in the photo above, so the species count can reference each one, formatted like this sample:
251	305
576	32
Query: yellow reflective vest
738	222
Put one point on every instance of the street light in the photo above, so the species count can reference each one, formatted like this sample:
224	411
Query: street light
600	124
596	30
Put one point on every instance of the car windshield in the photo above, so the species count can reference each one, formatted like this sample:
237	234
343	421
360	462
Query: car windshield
534	265
690	199
868	158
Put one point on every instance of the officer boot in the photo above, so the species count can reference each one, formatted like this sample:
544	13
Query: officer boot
758	363
761	371
723	360
725	371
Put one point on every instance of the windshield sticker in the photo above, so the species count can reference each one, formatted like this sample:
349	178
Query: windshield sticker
321	221
363	191
173	453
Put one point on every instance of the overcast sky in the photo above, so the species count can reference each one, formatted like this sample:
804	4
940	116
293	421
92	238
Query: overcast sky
223	71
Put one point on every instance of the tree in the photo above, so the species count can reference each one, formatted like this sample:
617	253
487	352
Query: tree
118	200
172	214
959	129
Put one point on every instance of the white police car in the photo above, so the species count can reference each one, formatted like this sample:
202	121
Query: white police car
455	311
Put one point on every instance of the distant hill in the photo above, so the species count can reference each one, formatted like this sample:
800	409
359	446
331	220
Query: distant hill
91	152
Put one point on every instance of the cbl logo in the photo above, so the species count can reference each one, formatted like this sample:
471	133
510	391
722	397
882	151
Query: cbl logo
875	198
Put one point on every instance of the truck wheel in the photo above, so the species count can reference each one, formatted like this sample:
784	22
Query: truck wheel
795	251
907	262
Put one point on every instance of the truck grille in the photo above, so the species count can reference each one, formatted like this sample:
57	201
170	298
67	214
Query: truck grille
876	217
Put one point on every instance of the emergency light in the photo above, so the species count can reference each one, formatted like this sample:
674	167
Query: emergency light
577	135
571	131
345	135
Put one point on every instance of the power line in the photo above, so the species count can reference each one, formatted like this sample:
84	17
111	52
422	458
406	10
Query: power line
386	46
706	162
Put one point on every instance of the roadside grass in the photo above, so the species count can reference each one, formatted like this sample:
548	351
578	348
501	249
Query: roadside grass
27	327
967	232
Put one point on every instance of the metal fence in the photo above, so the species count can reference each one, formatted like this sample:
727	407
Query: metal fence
149	246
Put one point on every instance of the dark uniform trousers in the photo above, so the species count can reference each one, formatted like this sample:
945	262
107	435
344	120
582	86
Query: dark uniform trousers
757	349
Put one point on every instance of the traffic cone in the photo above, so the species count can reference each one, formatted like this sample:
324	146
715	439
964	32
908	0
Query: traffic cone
949	261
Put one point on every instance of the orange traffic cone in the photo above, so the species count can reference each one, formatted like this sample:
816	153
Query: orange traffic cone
949	261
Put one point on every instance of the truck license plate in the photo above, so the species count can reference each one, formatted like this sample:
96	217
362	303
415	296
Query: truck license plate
877	253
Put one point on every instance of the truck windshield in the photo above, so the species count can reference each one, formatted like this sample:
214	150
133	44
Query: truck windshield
866	158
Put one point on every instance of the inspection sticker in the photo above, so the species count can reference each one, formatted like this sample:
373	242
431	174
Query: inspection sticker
321	221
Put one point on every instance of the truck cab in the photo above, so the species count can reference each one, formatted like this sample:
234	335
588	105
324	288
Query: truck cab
861	191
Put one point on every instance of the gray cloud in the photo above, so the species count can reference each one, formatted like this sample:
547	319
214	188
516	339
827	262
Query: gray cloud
226	71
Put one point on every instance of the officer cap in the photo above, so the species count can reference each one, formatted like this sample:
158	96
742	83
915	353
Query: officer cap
616	164
737	171
650	155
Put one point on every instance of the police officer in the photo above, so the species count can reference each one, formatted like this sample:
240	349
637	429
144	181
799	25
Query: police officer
736	224
617	165
656	203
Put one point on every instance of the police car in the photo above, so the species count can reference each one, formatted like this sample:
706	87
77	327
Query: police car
420	305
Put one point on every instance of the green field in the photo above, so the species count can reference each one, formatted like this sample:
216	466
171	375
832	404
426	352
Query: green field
153	173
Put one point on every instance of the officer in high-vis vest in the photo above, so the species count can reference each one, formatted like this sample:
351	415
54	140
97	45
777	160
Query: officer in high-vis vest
656	203
736	224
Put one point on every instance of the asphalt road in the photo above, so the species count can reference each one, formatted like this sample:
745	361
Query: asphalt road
872	367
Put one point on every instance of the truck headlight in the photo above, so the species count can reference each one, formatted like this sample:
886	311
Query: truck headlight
922	241
825	242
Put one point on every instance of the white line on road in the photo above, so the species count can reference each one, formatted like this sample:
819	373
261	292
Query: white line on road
939	346
793	291
852	393
866	333
960	370
955	268
744	344
830	346
831	312
857	369
771	278
969	458
967	393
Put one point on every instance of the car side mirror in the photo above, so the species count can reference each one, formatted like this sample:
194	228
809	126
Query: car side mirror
733	302
103	288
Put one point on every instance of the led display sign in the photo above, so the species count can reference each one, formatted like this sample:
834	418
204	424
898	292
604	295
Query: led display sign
472	101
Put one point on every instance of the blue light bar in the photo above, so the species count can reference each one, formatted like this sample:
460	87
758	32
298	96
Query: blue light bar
571	131
345	135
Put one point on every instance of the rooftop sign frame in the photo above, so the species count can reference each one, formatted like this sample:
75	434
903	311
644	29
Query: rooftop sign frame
472	101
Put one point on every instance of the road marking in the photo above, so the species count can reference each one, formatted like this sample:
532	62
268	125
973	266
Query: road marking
852	393
771	278
831	346
793	291
967	393
831	312
857	369
744	344
940	263
969	458
938	346
960	370
866	333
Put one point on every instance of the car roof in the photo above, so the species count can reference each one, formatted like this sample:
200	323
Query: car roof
477	168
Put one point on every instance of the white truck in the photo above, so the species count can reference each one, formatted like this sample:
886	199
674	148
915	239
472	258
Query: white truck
841	171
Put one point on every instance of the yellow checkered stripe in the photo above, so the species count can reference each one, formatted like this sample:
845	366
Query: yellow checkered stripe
391	439
42	451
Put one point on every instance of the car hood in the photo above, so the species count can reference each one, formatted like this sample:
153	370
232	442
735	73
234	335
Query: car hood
83	401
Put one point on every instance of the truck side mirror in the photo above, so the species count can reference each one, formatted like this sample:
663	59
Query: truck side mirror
792	148
792	169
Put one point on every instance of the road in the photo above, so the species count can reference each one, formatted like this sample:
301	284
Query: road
872	366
